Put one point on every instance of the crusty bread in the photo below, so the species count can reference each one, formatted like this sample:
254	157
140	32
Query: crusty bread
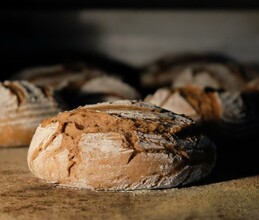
79	84
216	76
98	89
23	106
103	89
110	86
229	112
122	145
194	71
57	76
197	103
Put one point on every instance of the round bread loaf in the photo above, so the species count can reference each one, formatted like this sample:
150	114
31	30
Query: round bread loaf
122	145
23	107
213	75
227	112
193	70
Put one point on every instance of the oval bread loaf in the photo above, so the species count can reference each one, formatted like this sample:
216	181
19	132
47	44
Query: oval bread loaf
58	76
122	145
99	89
23	107
79	84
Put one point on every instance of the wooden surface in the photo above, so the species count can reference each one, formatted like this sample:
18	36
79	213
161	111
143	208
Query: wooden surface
22	196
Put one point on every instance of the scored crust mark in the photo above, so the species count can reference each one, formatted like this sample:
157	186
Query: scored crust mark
47	92
36	152
71	164
199	104
44	139
166	98
121	146
134	154
16	90
205	103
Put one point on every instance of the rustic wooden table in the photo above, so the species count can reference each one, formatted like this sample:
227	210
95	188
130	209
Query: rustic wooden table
22	196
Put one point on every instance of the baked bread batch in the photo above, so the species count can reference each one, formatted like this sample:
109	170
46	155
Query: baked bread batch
116	141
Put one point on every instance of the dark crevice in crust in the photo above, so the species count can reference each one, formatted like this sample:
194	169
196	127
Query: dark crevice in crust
188	96
126	108
37	152
46	92
79	127
71	164
17	91
202	101
134	154
166	99
41	147
63	127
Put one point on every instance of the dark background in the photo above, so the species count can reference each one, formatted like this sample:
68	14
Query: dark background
28	40
129	4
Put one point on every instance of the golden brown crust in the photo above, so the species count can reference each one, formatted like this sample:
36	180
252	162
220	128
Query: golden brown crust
234	114
122	145
16	135
199	104
206	103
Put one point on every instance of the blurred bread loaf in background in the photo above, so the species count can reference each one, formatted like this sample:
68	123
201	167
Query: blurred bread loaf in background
214	71
226	112
80	84
23	106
